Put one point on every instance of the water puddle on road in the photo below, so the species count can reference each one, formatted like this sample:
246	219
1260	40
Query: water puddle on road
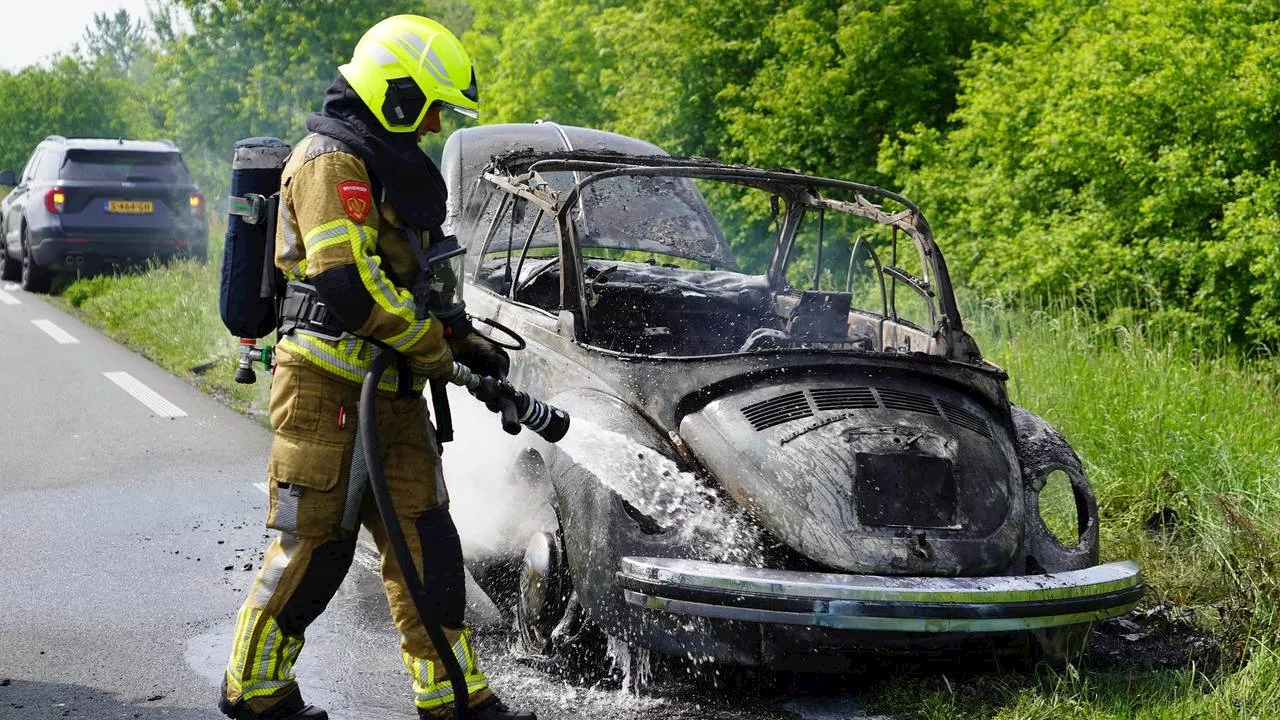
206	654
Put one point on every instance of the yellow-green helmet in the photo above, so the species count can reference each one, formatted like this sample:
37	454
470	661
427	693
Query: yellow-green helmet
406	63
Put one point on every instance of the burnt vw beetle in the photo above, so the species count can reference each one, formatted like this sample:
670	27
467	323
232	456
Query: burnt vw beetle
785	445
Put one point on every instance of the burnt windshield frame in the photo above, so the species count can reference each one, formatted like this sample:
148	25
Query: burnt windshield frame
796	189
799	190
720	257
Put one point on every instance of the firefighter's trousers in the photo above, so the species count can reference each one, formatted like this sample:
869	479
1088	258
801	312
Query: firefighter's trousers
315	447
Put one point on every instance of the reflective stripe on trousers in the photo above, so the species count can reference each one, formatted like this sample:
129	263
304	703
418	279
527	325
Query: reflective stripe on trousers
305	565
431	686
262	656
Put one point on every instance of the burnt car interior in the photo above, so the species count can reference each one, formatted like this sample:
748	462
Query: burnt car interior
630	246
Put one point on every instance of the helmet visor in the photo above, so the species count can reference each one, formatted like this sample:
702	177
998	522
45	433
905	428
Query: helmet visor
469	112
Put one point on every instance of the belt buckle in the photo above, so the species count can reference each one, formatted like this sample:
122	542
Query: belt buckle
315	324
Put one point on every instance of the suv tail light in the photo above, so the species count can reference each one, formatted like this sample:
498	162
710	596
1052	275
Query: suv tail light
197	204
54	199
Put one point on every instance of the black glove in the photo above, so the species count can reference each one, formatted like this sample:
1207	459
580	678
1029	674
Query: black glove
494	392
478	352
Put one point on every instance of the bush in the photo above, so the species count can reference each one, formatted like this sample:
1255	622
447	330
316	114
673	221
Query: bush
1121	152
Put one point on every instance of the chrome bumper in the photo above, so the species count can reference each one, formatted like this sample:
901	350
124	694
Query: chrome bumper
881	603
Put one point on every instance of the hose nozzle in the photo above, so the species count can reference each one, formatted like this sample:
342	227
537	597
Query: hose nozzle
517	408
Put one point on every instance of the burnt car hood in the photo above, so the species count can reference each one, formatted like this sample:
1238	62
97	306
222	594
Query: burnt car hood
879	476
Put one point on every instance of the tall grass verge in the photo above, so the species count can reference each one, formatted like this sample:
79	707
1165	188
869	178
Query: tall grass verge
1166	431
169	314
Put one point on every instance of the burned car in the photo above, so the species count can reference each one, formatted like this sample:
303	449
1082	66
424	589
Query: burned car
786	447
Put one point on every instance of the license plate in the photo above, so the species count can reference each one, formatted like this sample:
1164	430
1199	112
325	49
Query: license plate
131	207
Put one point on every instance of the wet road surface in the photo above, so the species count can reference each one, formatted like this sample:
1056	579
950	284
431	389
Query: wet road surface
131	513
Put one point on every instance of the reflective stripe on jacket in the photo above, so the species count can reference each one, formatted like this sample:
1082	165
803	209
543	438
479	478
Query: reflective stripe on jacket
331	233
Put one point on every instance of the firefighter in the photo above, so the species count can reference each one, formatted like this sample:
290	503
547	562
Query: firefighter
359	203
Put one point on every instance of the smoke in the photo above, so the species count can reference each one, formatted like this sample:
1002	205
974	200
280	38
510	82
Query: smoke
495	516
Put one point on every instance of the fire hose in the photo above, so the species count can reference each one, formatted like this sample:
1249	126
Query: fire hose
517	409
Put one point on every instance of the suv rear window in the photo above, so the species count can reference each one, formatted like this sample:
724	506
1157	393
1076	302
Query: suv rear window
123	165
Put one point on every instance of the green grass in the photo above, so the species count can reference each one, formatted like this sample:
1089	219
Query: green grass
1158	423
1250	692
170	315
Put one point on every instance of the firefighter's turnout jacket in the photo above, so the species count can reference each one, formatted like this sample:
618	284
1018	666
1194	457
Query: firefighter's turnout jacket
330	224
331	232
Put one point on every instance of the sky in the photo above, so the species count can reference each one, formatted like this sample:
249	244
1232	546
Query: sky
34	31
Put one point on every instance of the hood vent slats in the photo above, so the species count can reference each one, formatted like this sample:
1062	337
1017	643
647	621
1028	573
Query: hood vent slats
965	419
900	400
766	414
800	404
854	398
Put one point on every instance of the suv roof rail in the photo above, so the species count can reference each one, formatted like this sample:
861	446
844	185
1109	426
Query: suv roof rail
55	138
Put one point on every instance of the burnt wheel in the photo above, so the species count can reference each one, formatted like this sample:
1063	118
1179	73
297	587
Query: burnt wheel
554	630
544	589
34	278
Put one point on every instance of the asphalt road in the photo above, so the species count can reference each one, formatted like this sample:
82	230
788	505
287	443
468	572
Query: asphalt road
131	521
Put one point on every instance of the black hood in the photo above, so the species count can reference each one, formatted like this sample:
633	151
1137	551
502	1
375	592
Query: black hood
410	181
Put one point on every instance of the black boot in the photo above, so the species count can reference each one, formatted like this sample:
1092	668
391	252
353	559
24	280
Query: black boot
491	709
291	708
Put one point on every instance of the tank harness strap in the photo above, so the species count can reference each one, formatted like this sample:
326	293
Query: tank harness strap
302	311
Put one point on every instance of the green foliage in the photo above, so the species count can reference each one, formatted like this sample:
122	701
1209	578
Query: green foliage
119	40
1121	152
842	75
65	97
814	85
539	60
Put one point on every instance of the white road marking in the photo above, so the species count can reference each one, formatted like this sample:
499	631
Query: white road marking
11	286
62	336
7	299
145	395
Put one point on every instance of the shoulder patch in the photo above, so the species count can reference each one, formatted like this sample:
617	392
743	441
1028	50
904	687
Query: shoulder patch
357	199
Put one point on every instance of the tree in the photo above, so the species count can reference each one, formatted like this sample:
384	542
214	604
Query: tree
117	40
66	97
249	68
1121	152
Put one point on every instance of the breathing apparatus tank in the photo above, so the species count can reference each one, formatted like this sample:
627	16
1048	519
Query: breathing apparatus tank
250	282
